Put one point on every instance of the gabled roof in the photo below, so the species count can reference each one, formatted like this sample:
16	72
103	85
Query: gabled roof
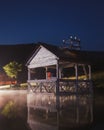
76	56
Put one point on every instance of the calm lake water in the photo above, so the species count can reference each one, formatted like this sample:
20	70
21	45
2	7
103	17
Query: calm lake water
20	110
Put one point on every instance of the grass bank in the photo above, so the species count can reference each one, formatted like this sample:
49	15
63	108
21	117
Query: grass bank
98	79
22	86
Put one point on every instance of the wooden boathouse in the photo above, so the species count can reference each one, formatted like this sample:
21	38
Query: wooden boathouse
59	70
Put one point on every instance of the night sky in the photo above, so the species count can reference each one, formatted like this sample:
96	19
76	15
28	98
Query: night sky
51	21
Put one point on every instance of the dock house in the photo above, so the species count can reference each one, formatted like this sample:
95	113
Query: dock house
59	70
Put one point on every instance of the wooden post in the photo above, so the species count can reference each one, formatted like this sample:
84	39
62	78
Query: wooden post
91	86
89	66
76	75
60	69
76	71
57	75
85	72
29	75
46	73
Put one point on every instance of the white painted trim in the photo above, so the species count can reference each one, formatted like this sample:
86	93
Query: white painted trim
28	62
50	52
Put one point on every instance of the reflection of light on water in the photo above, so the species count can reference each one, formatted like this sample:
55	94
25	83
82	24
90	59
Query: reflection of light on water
43	99
12	102
9	110
12	92
72	97
49	102
13	110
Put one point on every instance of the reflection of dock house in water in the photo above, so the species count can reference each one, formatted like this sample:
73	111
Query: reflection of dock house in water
60	88
50	112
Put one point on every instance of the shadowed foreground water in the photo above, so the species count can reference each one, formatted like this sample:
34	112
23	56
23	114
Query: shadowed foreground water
13	110
20	110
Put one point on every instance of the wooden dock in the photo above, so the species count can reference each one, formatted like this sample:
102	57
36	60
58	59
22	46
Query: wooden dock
46	71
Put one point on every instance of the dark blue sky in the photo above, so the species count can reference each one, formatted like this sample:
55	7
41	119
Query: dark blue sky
51	21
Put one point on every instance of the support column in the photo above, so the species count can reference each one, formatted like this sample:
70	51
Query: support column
57	75
29	78
46	73
89	66
91	85
85	71
29	74
76	75
60	70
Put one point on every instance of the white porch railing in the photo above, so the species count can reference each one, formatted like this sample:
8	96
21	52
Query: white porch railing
65	86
